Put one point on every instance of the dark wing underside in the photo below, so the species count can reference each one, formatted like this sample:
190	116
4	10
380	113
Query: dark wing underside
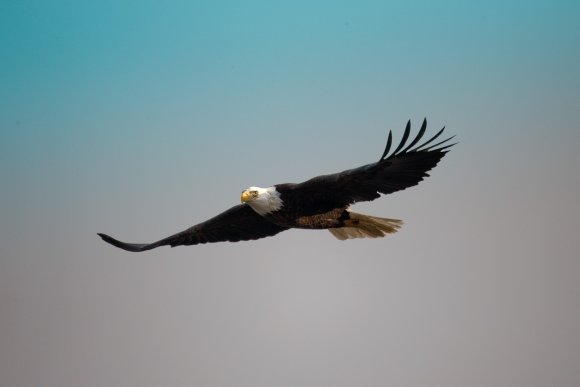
239	223
403	168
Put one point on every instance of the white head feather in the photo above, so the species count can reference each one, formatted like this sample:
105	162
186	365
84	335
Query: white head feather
263	200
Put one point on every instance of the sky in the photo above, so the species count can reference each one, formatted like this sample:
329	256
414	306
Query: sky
140	119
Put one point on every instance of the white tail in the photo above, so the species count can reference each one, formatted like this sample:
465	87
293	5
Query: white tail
365	226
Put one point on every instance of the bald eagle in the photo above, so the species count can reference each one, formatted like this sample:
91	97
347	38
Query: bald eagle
322	202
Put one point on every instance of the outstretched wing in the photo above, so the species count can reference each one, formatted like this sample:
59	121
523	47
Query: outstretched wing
239	223
403	168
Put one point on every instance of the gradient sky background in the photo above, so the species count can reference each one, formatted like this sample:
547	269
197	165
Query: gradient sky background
141	118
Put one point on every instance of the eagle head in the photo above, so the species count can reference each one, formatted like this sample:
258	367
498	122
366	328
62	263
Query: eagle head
262	200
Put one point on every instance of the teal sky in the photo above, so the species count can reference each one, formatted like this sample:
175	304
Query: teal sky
141	118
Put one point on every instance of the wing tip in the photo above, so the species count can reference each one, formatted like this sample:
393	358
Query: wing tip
413	147
104	237
388	146
134	247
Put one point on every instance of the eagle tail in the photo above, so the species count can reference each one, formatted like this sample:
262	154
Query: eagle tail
366	226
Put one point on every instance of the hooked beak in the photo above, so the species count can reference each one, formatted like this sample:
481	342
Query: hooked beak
245	196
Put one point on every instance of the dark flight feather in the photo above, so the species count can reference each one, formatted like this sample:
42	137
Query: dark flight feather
436	145
388	147
418	137
394	173
404	139
430	140
239	223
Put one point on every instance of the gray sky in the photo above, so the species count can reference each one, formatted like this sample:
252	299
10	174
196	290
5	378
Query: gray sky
140	120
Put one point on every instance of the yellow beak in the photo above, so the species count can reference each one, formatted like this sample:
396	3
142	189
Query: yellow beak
245	196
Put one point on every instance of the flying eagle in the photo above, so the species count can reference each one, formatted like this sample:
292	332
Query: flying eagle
322	202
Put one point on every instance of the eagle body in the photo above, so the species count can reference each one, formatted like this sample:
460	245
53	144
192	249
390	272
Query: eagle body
322	202
300	212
